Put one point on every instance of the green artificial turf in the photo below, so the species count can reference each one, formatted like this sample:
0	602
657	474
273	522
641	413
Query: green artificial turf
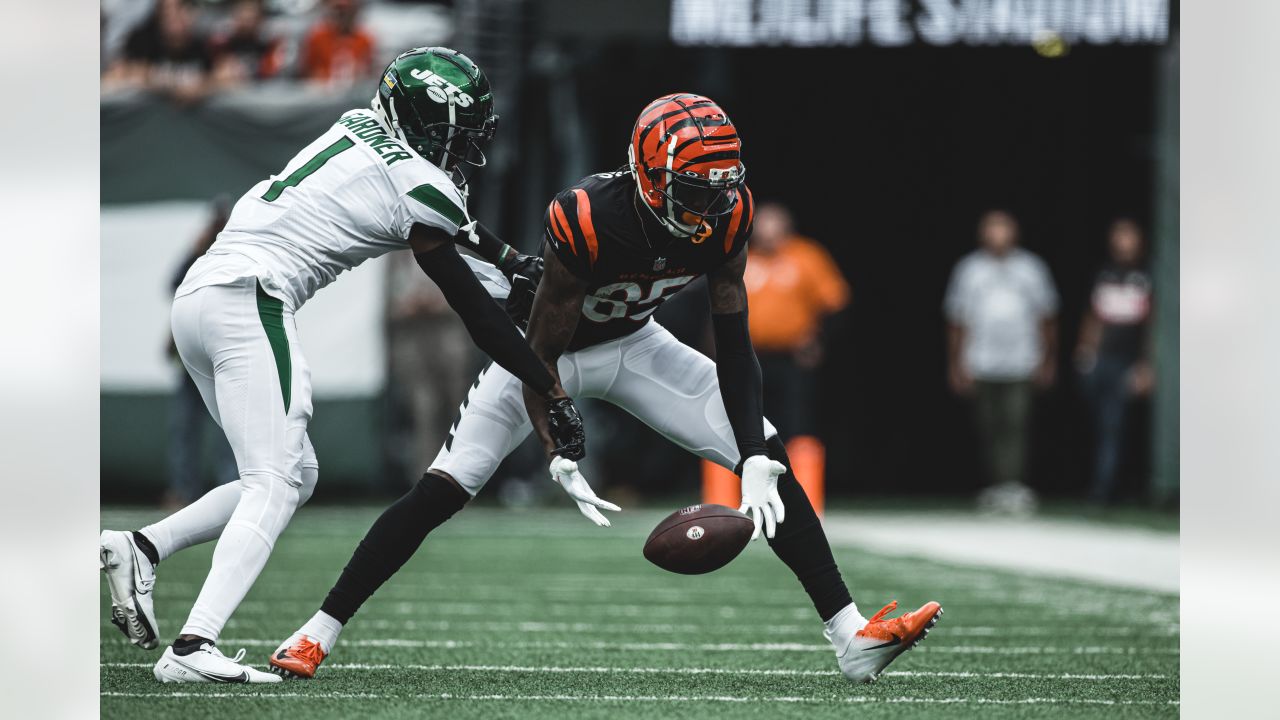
540	614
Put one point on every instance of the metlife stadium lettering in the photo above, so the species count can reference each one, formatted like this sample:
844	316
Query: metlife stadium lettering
894	23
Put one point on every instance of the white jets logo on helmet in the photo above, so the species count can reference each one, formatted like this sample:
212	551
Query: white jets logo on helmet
441	90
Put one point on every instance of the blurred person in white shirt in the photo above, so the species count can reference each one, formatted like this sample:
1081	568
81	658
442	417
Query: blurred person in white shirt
1001	308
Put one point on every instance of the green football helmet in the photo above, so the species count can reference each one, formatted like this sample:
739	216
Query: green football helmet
439	103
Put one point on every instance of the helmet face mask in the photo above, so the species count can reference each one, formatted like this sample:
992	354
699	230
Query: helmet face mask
440	104
685	156
692	195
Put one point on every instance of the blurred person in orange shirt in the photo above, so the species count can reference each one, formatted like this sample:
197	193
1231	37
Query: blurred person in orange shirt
337	50
794	289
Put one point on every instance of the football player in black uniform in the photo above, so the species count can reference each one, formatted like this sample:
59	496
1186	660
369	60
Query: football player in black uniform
617	245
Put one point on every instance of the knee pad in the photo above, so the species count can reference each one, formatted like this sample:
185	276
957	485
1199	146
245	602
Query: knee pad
267	502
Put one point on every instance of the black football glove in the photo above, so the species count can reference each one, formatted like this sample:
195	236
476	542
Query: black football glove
524	272
565	425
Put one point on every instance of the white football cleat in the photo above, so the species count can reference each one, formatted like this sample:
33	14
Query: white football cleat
130	576
207	664
870	650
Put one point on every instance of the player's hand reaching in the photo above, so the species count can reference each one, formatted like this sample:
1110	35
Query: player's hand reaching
760	493
566	474
524	272
565	425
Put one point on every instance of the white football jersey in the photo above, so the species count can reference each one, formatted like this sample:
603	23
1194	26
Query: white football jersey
351	195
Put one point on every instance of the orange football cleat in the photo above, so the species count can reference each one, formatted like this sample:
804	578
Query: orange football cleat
872	648
298	657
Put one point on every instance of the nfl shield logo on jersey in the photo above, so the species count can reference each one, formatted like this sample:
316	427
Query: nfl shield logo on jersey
659	264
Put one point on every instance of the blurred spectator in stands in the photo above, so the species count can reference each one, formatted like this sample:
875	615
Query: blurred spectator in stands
337	50
244	52
1112	354
189	420
164	54
430	368
1001	308
795	290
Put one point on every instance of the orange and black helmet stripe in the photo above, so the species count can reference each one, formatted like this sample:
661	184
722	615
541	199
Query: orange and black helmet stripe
681	133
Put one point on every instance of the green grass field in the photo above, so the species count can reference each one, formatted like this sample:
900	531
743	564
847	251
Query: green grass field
540	614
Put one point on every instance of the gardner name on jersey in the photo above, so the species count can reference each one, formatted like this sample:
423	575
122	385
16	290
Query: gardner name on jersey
632	264
351	195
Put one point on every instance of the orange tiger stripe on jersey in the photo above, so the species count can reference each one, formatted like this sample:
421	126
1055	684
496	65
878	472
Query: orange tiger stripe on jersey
560	226
584	222
734	219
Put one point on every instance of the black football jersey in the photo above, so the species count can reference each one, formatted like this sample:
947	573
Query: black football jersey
603	234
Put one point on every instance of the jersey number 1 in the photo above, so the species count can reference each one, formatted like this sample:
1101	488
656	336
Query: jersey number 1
311	166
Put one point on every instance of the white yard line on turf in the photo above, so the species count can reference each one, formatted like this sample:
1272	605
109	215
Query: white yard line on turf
1098	552
698	671
647	698
722	647
1154	631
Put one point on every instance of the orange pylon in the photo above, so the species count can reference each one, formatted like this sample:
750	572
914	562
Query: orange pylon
808	462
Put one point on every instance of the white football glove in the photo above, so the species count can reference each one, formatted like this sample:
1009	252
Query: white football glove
565	472
760	493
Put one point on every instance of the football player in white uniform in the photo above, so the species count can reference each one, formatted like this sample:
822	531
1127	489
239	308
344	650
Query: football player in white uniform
379	180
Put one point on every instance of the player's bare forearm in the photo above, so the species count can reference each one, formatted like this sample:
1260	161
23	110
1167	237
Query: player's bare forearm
556	310
737	368
726	288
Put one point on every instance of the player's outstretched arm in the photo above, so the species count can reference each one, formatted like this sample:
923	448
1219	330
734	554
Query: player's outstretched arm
524	271
742	390
556	309
488	325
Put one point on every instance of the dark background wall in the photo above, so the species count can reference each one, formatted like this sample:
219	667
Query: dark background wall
888	156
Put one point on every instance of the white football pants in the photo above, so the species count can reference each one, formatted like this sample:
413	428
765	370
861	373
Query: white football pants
241	348
668	385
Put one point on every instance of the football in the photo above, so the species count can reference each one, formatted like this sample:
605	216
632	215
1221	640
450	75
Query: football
698	539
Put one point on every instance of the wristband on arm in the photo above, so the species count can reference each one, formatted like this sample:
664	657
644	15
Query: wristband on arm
490	247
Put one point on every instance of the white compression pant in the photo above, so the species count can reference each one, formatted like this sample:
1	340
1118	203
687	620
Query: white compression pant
241	348
666	384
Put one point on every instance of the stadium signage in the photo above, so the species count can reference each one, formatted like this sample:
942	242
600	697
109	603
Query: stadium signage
895	23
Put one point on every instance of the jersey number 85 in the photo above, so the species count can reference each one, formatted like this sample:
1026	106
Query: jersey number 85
616	301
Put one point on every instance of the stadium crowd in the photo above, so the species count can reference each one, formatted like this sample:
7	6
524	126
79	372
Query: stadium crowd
187	50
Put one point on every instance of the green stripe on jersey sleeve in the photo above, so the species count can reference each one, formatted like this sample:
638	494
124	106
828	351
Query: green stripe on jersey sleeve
430	196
